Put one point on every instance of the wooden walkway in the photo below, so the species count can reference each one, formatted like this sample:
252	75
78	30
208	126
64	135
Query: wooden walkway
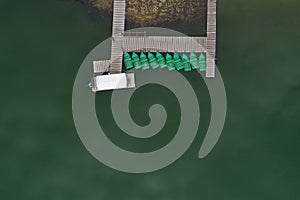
211	37
163	44
117	34
122	43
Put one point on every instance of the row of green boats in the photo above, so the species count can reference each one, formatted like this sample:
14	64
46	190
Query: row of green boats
173	62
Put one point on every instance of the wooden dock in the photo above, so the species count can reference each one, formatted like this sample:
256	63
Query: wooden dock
117	34
211	37
163	44
144	43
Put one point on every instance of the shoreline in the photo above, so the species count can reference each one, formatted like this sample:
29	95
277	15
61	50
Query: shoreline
189	24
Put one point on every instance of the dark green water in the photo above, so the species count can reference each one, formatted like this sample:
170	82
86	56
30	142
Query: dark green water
257	157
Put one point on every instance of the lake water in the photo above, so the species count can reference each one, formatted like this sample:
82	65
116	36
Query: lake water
257	157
